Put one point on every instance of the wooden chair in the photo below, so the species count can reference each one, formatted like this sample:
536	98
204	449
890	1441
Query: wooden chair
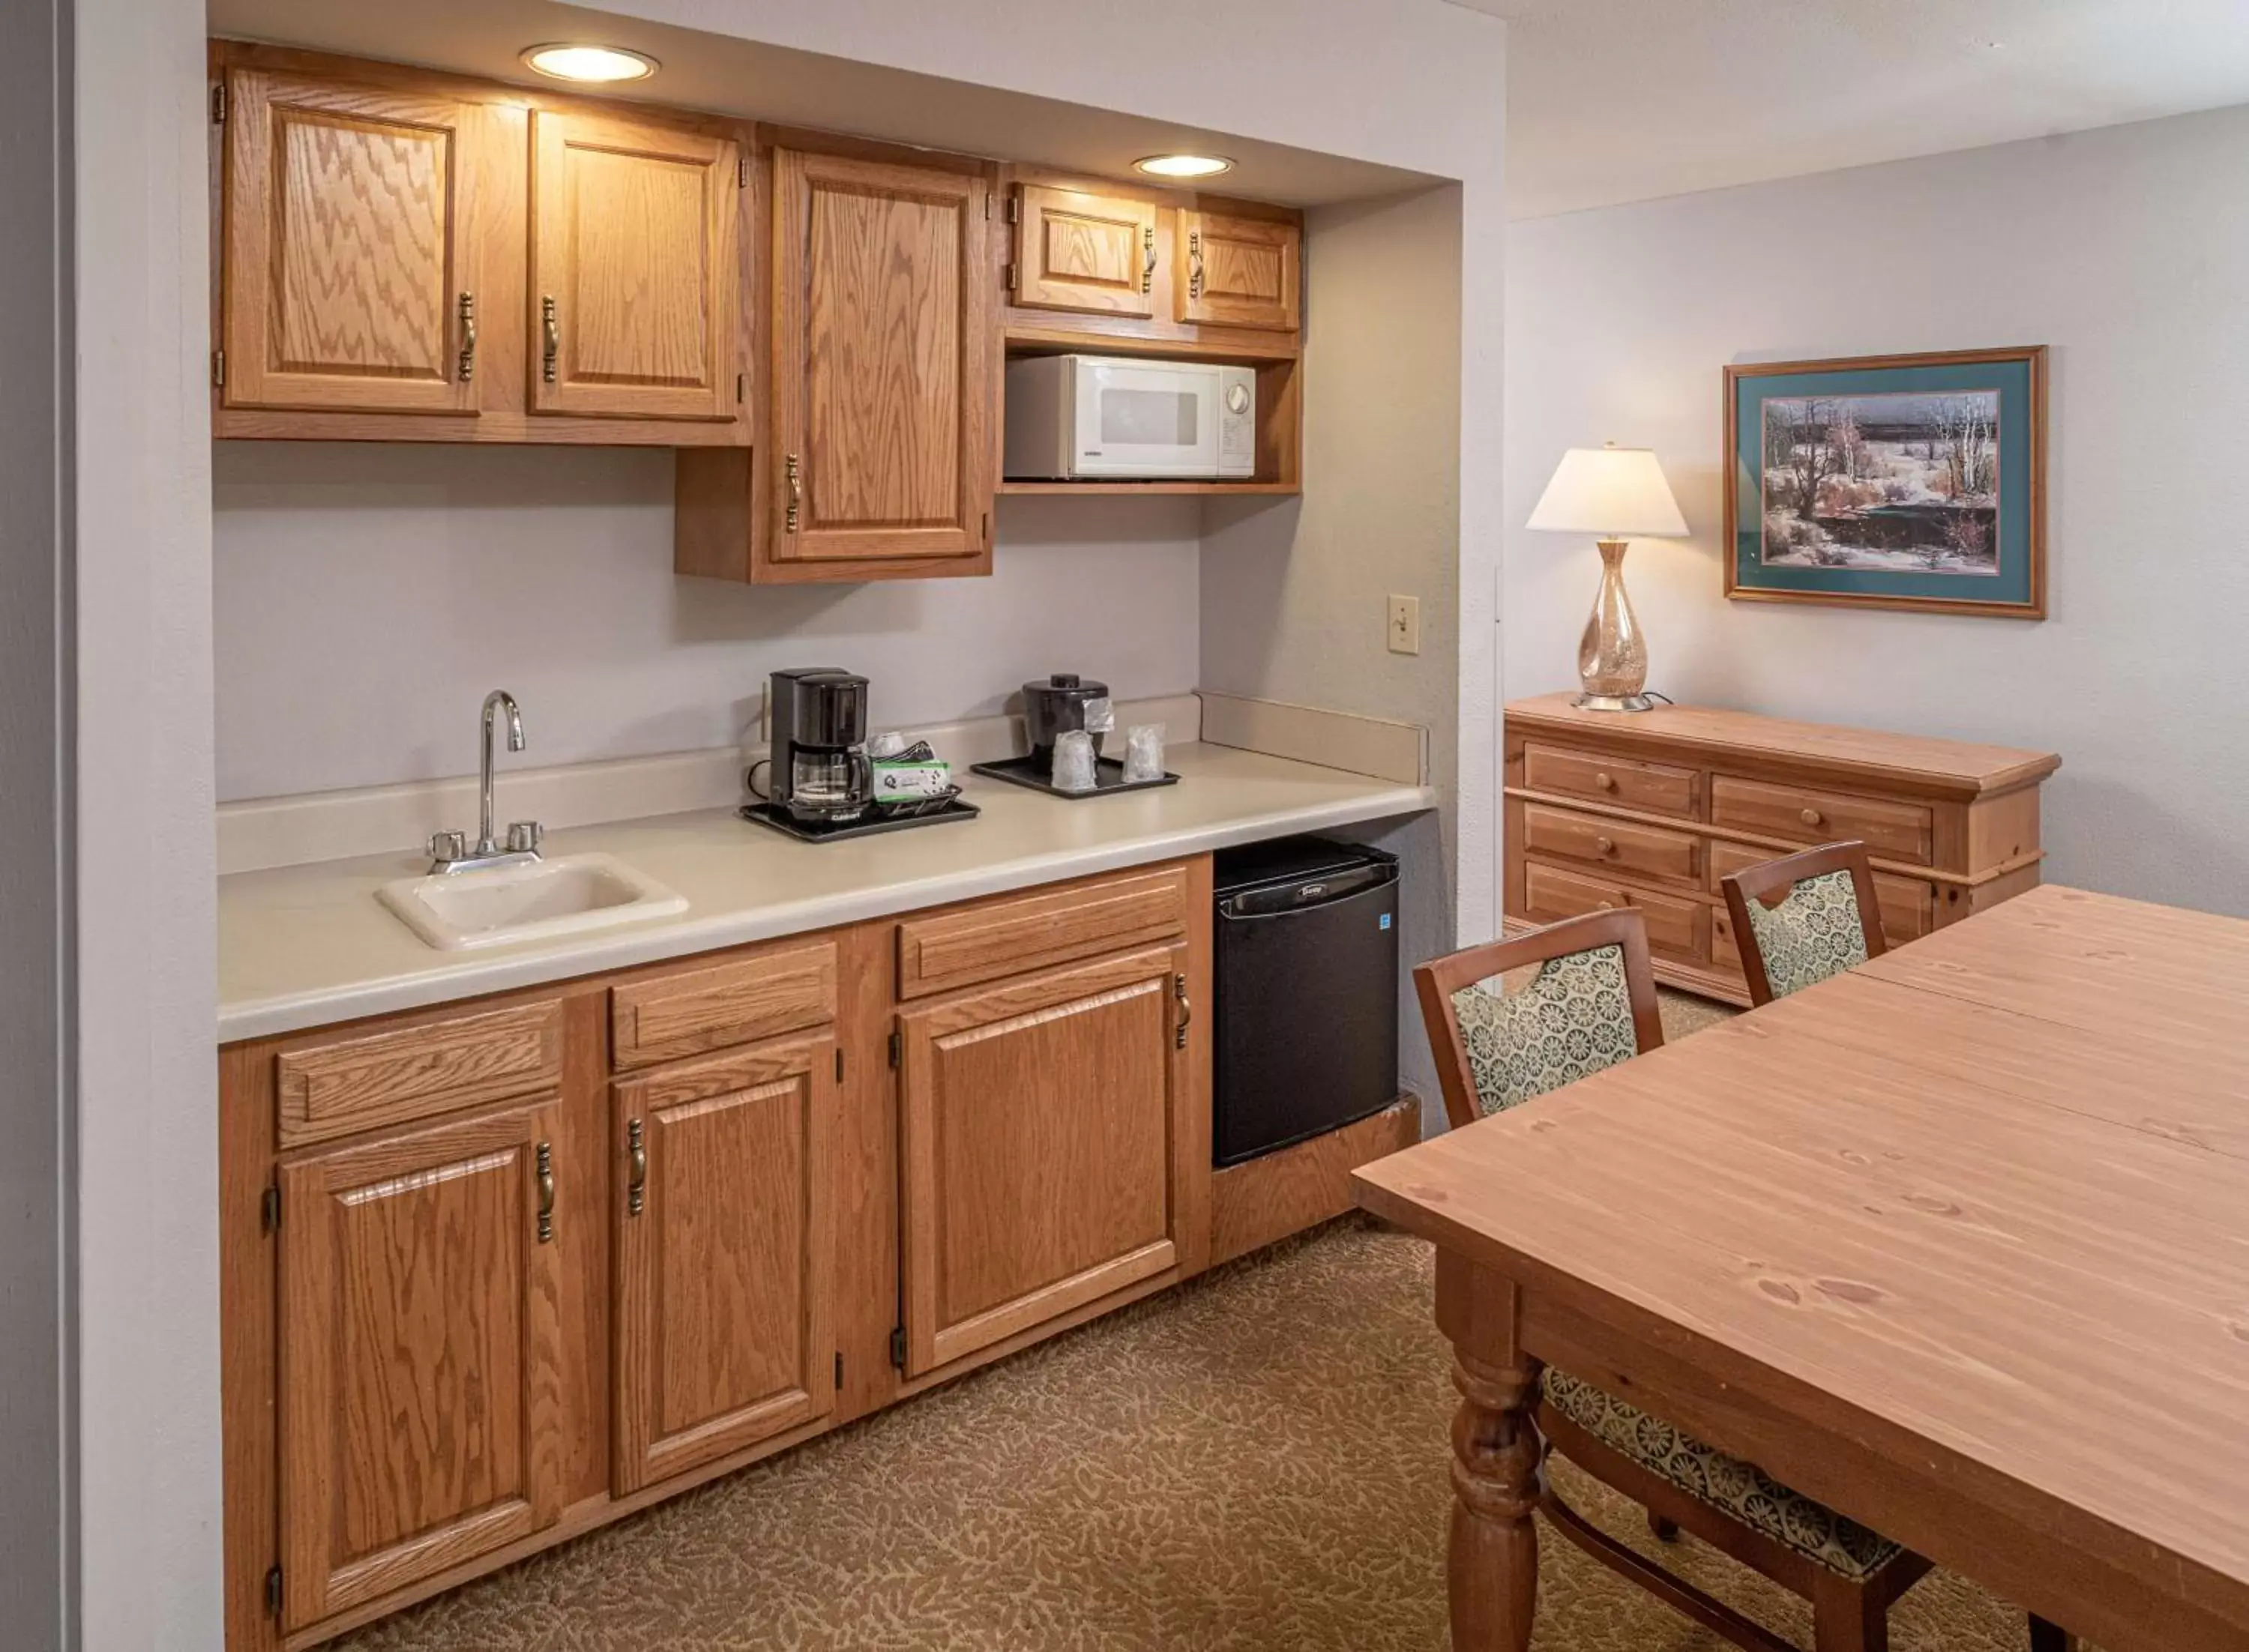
1803	917
1592	1005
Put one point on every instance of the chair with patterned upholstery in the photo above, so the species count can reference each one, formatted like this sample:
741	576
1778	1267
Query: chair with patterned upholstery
1803	917
1590	1004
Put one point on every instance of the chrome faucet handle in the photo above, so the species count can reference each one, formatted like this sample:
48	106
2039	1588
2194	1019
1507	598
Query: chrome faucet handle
523	837
445	847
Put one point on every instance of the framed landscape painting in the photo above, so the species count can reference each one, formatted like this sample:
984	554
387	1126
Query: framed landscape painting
1891	481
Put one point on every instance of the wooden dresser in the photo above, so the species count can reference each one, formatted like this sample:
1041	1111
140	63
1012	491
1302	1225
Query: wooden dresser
1650	809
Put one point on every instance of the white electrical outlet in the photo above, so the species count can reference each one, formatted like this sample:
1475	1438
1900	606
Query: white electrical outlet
1403	622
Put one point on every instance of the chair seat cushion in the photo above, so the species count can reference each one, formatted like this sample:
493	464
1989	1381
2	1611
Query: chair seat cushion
1728	1485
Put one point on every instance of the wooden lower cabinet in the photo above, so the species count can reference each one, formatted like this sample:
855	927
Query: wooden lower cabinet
420	1354
496	1273
725	1234
1042	1130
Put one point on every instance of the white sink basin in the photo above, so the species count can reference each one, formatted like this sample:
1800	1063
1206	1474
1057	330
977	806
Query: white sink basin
505	906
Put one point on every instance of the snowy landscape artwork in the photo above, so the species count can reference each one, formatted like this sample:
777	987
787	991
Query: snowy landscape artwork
1898	481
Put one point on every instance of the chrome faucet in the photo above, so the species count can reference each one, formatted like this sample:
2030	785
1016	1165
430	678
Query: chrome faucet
448	851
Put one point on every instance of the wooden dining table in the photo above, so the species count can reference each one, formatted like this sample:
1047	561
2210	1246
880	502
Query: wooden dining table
1956	1242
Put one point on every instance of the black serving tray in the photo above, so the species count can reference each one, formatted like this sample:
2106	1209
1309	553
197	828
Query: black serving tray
1108	777
876	819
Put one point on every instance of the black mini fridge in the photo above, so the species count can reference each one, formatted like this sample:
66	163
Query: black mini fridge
1305	1030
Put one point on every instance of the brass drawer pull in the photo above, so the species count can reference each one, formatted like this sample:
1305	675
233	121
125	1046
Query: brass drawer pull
1148	269
796	472
546	1193
468	337
637	1189
552	327
1194	265
1810	817
1187	1011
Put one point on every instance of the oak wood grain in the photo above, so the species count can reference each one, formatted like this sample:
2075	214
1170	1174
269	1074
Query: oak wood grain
883	362
1239	271
636	241
1649	851
1652	788
1084	251
1042	1128
725	1256
1255	1204
329	1087
1927	1242
674	1013
1676	924
1012	936
1899	831
420	1349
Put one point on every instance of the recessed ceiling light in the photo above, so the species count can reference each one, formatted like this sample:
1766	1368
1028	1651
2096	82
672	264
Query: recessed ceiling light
1184	166
567	62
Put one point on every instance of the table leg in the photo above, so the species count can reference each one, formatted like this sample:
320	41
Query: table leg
1492	1563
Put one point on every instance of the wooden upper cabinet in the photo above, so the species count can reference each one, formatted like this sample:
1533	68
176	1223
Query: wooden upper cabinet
420	1355
635	305
1044	1130
1081	251
351	247
885	379
1239	272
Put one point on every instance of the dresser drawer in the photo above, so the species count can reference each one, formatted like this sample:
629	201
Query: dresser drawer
353	1084
1891	830
1674	926
1000	938
691	1011
1652	788
1908	905
1644	851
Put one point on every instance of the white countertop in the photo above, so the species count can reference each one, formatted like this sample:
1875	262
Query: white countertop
307	945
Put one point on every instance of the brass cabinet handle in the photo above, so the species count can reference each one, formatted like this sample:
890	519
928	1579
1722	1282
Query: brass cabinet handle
795	491
553	331
545	1192
1810	817
1194	265
1148	269
1606	782
637	1189
1187	1011
468	337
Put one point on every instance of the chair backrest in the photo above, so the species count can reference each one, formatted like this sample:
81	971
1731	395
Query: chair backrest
1803	917
1592	1004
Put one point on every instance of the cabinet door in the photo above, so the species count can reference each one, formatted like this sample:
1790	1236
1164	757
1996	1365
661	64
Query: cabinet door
1239	272
884	379
1086	252
726	1240
634	269
351	245
420	1355
1044	1128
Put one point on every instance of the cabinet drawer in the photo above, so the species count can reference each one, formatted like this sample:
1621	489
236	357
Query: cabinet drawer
1907	903
1673	925
410	1073
1892	831
1653	788
1648	851
1008	937
739	1002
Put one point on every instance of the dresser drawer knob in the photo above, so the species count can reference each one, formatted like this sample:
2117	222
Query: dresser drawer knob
1606	781
1810	817
1606	906
1605	845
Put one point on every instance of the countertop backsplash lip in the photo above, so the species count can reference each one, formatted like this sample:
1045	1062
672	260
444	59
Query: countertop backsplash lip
307	945
261	833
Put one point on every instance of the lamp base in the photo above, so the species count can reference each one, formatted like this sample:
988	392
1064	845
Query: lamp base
1614	702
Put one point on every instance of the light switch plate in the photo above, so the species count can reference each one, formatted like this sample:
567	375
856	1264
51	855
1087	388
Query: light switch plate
1403	622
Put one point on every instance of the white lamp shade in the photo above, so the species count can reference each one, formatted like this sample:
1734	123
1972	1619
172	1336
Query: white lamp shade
1619	493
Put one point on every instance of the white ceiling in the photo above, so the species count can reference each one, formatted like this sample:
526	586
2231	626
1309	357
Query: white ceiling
729	76
1613	100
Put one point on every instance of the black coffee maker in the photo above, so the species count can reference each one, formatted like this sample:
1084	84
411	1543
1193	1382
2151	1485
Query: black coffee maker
818	719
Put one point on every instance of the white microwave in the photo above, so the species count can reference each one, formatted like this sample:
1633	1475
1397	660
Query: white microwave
1082	416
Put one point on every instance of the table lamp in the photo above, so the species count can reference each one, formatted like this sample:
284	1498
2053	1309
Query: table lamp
1611	492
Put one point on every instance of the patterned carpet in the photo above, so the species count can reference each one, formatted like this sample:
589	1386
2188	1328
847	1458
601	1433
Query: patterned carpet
1257	1460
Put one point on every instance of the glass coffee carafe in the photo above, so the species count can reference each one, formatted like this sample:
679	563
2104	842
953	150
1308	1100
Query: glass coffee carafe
830	784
